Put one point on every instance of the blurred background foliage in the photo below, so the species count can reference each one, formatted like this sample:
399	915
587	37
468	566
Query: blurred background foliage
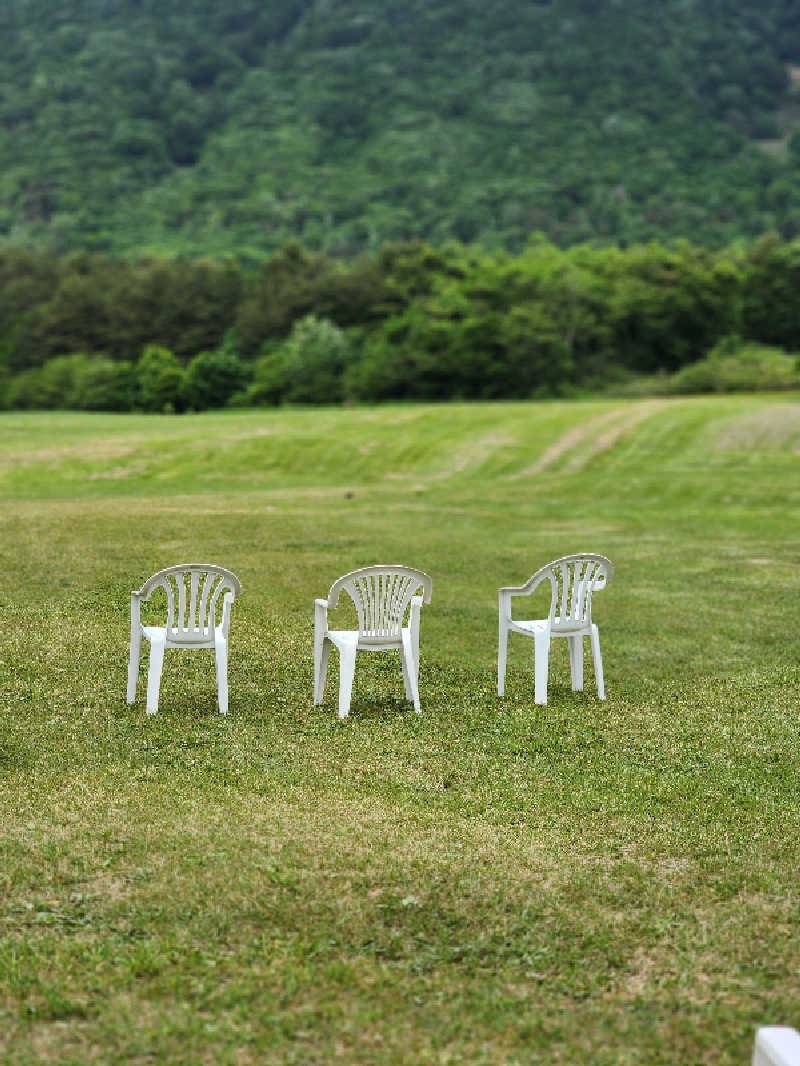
200	128
411	322
308	202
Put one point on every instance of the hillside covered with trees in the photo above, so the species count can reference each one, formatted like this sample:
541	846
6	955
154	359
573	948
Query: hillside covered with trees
205	128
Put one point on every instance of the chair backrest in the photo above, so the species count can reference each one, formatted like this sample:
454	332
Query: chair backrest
193	590
573	579
381	595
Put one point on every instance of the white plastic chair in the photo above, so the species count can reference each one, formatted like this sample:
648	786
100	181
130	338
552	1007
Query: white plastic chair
381	595
193	621
573	579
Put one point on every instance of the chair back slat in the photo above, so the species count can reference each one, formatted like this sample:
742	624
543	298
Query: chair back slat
166	584
381	595
563	579
203	608
180	581
195	619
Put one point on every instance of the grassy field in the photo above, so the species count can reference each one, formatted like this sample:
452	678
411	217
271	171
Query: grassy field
489	883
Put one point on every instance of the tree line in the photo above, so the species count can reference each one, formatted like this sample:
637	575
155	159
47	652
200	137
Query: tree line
412	322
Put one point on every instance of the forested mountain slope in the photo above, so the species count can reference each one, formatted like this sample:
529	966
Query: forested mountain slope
198	127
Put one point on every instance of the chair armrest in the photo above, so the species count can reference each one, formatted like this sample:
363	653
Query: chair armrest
136	610
505	593
320	614
227	601
413	625
504	602
530	585
142	596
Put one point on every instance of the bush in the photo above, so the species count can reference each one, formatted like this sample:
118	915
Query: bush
47	387
103	385
212	378
21	391
159	380
734	365
308	367
74	382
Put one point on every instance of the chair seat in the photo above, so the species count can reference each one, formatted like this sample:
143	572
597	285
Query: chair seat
350	638
541	625
530	625
182	638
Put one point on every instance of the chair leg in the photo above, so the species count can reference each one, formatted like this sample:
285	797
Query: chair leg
576	662
319	644
154	674
598	662
321	657
133	666
502	654
415	648
347	668
409	668
541	665
221	656
406	677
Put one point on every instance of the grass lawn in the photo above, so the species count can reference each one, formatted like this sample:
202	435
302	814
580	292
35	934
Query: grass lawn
491	882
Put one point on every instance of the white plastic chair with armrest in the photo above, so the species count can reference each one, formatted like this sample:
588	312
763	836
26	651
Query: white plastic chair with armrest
573	579
382	595
195	619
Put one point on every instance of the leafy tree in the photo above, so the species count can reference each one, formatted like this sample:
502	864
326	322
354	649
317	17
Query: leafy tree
671	305
288	286
27	280
468	338
74	317
308	367
771	312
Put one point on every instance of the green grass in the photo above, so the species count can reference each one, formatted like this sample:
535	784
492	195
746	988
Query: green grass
492	882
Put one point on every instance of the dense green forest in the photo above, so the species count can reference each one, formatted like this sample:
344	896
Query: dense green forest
201	128
300	201
410	322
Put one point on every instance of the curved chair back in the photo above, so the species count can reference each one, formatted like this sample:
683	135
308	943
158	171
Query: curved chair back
573	579
381	595
193	590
